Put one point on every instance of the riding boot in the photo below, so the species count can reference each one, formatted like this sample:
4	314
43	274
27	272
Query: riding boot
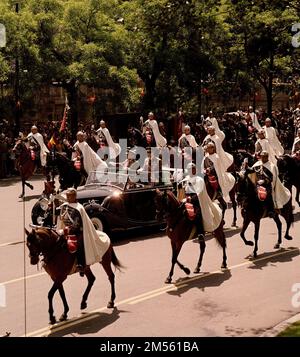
80	260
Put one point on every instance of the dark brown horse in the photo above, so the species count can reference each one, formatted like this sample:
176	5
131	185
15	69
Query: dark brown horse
253	210
180	229
289	173
59	263
25	164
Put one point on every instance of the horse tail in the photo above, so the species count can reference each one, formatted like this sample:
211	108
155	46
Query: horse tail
115	260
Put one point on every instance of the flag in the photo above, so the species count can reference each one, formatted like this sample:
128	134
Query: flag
64	119
52	142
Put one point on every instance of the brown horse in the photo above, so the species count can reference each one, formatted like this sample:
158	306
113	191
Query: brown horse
25	164
59	263
253	210
180	229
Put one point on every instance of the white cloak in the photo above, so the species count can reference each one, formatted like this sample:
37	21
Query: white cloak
225	179
296	142
211	212
115	149
218	131
91	161
43	148
159	139
255	121
280	194
273	140
225	157
96	243
266	146
190	138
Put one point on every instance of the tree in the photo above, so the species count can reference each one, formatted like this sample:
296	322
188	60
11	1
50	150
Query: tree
262	27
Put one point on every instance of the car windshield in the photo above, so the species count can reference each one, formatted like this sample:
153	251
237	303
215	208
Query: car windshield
107	179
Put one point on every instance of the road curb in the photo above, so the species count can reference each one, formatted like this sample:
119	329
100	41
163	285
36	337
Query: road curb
274	331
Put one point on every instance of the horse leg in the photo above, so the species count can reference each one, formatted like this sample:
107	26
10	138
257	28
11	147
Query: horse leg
175	252
289	218
23	189
61	290
246	223
279	227
223	205
28	185
234	206
51	293
106	263
221	238
297	196
256	236
202	245
91	278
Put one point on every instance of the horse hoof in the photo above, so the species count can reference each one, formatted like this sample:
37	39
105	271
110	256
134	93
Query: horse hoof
223	266
197	271
248	242
83	305
21	195
168	281
52	320
187	271
110	305
234	224
63	317
30	186
288	237
277	246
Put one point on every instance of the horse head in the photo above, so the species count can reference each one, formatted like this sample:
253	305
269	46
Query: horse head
34	245
19	147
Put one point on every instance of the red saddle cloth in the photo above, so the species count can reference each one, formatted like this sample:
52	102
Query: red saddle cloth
32	155
191	214
77	165
213	182
72	243
148	137
261	193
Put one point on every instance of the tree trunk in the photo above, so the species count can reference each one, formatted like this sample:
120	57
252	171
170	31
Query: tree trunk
149	99
269	89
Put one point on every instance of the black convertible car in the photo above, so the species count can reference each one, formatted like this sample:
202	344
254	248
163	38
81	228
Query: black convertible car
115	203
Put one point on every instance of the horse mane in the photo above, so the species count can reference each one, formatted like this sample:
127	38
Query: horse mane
173	198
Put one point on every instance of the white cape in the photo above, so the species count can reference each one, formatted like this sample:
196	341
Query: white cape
281	195
43	148
225	179
218	131
114	149
295	144
225	157
266	146
273	140
255	121
91	161
159	139
190	138
211	212
96	243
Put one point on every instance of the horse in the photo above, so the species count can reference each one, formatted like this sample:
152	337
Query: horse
25	164
254	209
69	176
239	156
289	173
59	263
181	229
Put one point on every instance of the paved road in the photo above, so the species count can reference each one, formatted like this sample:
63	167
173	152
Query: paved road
245	300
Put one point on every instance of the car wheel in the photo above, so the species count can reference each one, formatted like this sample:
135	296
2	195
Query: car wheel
98	223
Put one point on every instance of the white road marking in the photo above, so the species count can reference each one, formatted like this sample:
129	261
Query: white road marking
44	332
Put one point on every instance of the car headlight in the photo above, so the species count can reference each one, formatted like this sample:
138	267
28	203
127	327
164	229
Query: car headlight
44	204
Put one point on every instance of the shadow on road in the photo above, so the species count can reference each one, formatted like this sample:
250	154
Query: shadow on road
97	322
290	253
204	281
296	216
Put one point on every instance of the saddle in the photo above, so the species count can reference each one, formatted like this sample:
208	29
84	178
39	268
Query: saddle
190	210
72	241
261	190
213	181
